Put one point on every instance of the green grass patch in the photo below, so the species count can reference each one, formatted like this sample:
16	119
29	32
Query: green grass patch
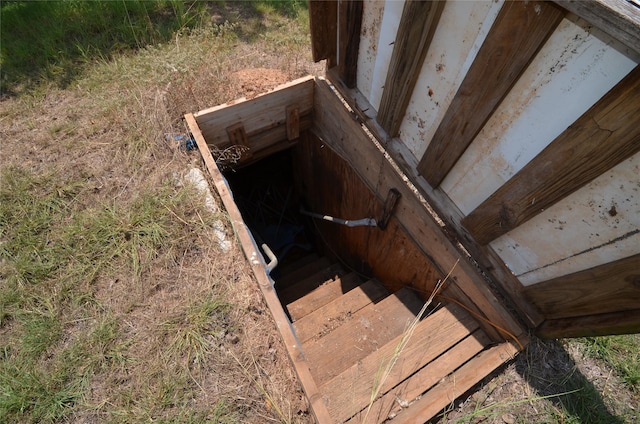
50	40
622	353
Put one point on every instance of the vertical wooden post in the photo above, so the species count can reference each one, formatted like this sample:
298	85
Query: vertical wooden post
350	21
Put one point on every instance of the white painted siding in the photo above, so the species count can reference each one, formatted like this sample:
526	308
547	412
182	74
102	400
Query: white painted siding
597	224
571	72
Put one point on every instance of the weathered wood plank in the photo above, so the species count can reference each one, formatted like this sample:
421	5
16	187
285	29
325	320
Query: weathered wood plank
323	23
516	36
456	384
350	21
351	391
345	135
618	18
417	26
311	282
602	137
367	330
322	295
424	379
293	122
625	322
258	114
611	287
250	250
329	317
487	258
300	273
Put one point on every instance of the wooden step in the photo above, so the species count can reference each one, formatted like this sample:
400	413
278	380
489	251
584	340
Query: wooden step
330	316
305	270
456	384
309	283
324	294
366	331
288	265
382	372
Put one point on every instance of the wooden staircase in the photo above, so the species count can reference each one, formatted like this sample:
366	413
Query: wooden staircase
371	359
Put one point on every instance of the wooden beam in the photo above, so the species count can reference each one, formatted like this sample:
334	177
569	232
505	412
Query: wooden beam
323	23
417	26
612	287
602	137
517	34
350	21
282	322
293	122
618	18
626	322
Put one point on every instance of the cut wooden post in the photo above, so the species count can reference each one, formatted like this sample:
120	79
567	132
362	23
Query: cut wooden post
350	17
389	205
517	34
601	138
293	122
323	22
238	137
417	26
611	287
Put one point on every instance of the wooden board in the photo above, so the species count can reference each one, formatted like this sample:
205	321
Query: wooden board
296	291
257	115
322	295
330	316
625	322
349	23
298	274
368	330
345	135
456	384
424	379
611	287
351	391
601	138
519	31
251	252
417	26
323	20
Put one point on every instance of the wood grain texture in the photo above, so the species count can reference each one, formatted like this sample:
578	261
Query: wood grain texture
323	24
456	384
257	115
486	256
602	137
516	36
350	392
425	378
626	322
330	316
368	330
323	295
618	18
310	282
417	25
612	287
340	131
298	274
349	24
250	250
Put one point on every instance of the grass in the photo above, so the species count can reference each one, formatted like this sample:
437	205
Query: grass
621	353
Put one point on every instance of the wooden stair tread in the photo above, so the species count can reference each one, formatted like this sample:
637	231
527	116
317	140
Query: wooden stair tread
366	331
456	384
351	391
324	294
390	403
302	272
309	283
290	266
330	316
